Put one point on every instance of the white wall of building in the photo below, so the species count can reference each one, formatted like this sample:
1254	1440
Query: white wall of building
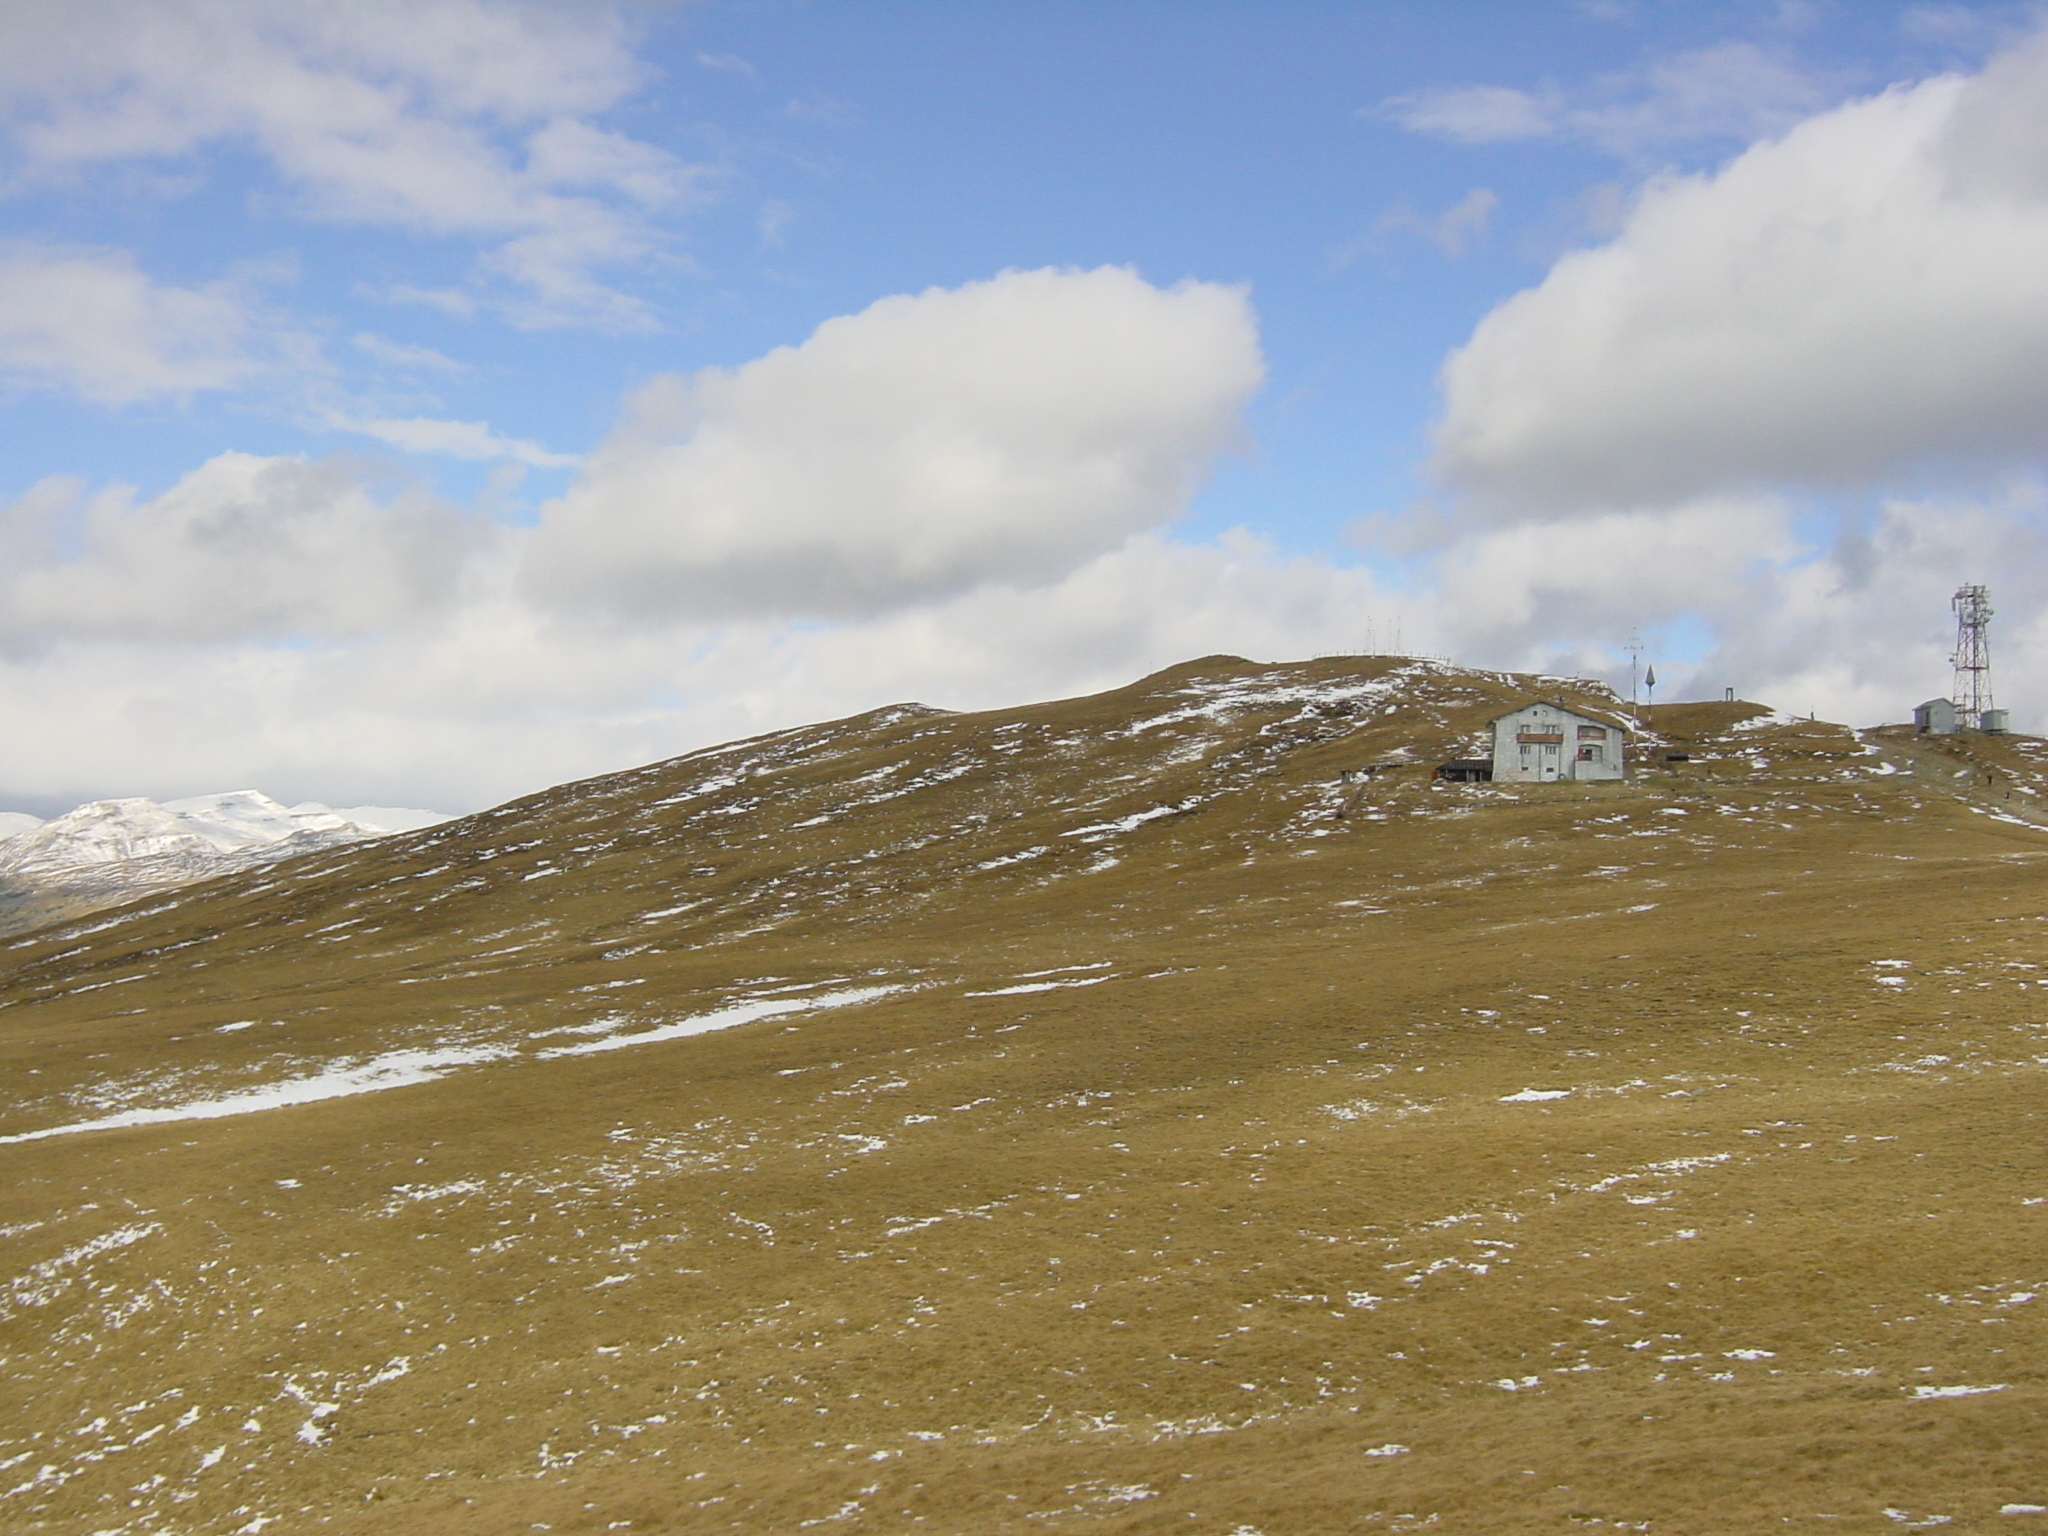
1545	743
1937	717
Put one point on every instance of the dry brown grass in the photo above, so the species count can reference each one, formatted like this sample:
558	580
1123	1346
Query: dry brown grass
1193	1247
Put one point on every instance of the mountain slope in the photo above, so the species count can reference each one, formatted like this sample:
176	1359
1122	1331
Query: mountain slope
1103	1115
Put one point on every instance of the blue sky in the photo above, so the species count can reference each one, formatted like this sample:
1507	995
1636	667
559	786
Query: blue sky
410	280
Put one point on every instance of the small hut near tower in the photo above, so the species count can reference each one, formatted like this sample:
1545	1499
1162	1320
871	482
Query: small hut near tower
1936	717
1544	741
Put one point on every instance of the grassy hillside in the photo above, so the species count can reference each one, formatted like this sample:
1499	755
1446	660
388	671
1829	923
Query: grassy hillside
1101	1116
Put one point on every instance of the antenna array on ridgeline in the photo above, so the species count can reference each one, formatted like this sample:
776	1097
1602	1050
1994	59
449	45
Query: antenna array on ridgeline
1972	693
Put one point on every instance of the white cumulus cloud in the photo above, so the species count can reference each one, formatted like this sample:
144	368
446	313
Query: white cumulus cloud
1864	297
1003	431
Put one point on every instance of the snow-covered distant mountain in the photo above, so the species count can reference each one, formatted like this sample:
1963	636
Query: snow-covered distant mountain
110	850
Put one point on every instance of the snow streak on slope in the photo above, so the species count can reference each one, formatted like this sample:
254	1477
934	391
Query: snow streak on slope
724	1018
397	1069
347	1077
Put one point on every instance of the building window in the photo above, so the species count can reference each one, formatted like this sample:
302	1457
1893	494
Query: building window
1593	754
1592	733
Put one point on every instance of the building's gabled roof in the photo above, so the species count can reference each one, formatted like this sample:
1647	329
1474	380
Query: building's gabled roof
1930	703
1621	723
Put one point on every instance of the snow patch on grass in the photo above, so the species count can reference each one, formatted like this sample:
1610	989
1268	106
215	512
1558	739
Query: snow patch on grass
724	1018
394	1069
1042	986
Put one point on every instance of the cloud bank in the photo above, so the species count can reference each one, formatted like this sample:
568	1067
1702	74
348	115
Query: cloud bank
242	549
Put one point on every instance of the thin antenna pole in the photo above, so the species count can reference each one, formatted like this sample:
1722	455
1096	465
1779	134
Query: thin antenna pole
1972	658
1635	665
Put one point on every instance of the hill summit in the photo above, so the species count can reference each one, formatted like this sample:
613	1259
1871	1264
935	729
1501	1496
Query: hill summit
1118	1114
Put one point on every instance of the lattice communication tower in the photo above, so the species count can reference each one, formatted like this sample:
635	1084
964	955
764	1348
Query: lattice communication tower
1972	659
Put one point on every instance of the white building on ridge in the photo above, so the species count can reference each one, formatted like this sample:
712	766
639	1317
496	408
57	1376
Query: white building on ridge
1543	742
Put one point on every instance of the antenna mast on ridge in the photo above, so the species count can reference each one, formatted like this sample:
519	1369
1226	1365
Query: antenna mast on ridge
1972	658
